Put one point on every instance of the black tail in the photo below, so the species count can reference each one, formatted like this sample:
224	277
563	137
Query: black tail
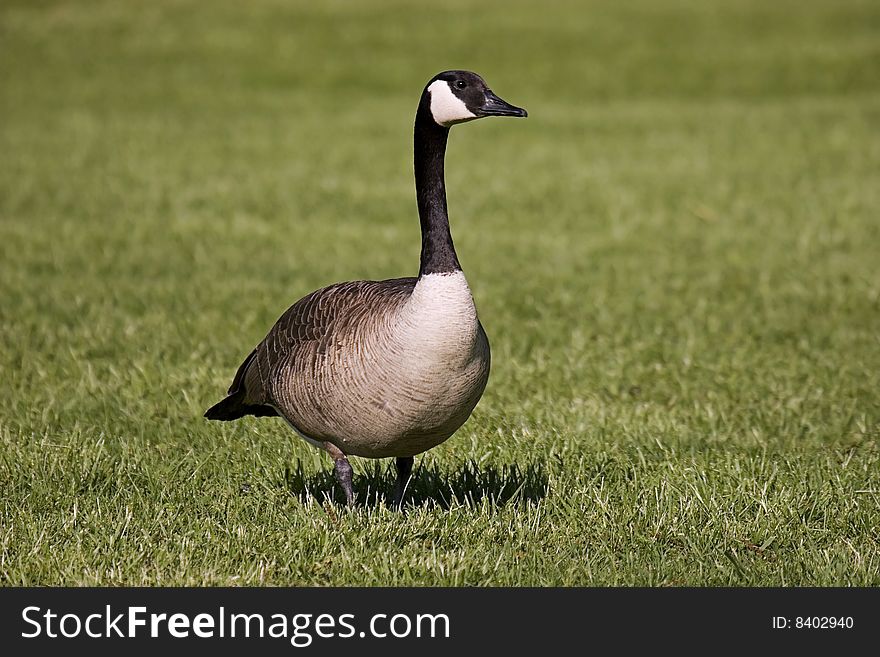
233	407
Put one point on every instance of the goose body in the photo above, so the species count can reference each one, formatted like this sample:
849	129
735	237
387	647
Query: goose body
376	368
383	368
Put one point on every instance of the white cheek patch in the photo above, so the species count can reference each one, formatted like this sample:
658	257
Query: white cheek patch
447	108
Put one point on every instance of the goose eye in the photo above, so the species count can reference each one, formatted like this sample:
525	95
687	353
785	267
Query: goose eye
461	84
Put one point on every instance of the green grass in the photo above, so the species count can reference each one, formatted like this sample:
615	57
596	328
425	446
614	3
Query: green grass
675	258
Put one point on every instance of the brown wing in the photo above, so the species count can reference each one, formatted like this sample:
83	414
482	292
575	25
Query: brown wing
309	325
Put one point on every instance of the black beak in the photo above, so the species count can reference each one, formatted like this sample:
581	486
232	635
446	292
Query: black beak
495	106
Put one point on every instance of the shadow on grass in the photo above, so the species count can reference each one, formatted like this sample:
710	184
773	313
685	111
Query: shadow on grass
469	485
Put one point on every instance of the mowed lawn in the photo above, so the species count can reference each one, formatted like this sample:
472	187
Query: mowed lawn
676	258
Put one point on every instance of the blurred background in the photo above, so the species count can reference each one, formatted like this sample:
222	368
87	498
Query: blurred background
674	256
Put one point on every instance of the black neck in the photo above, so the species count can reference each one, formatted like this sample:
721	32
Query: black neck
438	252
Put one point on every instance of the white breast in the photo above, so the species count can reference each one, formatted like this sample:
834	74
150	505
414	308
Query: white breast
441	317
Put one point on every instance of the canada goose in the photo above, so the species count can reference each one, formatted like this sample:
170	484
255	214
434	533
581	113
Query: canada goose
383	368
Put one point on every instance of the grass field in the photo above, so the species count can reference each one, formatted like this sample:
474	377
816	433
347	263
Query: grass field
675	258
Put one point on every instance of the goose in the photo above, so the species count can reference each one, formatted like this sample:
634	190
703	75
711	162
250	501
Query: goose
383	369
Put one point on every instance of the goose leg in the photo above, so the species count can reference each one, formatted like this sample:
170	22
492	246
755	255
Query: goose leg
404	469
342	470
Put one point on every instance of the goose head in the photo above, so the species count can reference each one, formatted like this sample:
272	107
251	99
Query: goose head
458	96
